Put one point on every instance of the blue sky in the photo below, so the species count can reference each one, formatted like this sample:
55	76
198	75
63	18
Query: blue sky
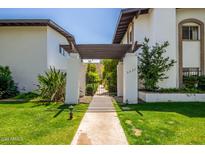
87	25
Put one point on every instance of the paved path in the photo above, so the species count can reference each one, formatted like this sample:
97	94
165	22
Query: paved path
100	125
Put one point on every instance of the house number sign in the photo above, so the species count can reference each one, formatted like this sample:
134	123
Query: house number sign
131	70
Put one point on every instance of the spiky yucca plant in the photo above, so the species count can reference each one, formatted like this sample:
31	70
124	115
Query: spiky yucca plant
52	85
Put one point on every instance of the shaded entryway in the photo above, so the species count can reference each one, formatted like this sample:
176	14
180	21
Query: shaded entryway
127	70
100	125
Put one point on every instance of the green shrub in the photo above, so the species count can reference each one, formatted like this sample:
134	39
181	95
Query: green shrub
28	95
52	85
190	82
110	75
91	68
153	65
201	82
92	77
7	86
91	89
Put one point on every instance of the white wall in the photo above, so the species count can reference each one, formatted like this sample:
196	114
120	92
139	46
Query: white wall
82	79
191	49
190	13
124	39
120	79
142	28
73	79
191	54
23	49
170	97
54	39
163	28
130	78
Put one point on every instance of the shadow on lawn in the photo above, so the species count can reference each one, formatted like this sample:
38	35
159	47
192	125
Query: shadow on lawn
190	109
13	102
61	108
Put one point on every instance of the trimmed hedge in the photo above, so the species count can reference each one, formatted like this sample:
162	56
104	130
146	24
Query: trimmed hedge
92	80
194	82
91	89
7	86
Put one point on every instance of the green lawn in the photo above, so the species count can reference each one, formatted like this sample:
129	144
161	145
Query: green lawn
30	123
163	123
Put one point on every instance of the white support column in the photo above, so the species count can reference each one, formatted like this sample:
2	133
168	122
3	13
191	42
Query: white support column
82	79
130	79
120	79
73	79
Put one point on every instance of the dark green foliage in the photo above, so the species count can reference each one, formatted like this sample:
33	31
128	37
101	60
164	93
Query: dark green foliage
194	82
110	75
153	65
91	68
190	82
92	79
91	89
201	82
52	85
7	86
28	95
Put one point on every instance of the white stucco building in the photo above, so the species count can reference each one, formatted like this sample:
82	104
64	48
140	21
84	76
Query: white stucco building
30	47
182	28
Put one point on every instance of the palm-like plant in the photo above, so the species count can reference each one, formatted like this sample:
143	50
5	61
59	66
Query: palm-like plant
52	85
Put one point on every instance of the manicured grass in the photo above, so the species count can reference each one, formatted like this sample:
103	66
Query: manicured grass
163	123
31	123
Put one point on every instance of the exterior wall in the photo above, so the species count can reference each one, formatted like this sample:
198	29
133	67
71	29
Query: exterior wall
54	39
23	49
82	79
73	79
147	25
191	49
170	97
120	79
124	40
166	31
191	54
130	79
141	28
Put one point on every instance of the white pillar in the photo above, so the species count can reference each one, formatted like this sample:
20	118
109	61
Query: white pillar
130	79
73	79
82	79
120	79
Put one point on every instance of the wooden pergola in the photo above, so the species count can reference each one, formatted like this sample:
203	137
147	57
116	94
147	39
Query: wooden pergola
102	51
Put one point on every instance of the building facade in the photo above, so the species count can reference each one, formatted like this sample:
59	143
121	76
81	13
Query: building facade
182	28
31	47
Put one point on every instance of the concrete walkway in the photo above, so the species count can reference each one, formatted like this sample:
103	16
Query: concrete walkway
100	125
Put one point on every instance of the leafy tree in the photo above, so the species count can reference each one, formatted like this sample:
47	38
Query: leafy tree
153	65
91	68
110	74
92	79
7	86
52	85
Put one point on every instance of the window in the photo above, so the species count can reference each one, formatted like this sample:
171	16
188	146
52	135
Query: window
62	51
190	33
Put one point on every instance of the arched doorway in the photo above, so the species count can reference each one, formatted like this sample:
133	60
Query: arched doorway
190	46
